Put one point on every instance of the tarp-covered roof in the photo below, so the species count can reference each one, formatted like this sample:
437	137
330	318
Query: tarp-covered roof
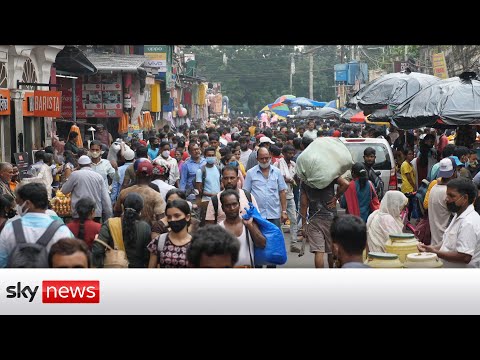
117	62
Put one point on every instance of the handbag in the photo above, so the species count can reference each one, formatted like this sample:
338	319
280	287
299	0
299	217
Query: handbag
115	257
422	230
274	252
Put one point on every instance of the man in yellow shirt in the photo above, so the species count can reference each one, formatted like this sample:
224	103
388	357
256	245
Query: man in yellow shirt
408	173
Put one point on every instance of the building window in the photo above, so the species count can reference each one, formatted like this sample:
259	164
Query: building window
29	75
3	75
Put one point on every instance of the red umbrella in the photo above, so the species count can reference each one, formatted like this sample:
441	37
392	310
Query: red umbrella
358	118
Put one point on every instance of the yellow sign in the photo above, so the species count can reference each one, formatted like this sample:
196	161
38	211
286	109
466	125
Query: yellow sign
440	66
156	56
156	98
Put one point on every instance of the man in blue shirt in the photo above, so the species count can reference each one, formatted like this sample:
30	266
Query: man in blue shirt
189	171
267	184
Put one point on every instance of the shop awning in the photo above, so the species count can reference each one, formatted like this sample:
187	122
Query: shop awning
72	61
117	62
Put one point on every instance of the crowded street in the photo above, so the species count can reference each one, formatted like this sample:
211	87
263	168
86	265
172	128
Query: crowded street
131	157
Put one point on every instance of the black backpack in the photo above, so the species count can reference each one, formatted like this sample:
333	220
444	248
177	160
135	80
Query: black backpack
215	202
378	183
31	254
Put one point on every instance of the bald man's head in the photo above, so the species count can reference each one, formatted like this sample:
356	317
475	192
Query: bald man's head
262	152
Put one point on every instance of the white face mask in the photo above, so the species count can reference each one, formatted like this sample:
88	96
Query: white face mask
22	210
95	154
166	154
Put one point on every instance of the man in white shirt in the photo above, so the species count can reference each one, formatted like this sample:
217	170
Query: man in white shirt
438	214
41	173
311	132
287	168
460	245
160	175
174	173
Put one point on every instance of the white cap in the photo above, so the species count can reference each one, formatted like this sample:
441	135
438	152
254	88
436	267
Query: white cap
266	139
84	160
129	155
446	169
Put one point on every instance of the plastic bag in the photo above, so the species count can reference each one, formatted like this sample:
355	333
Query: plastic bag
324	160
274	252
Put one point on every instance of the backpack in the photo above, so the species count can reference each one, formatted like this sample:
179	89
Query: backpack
31	255
215	202
378	183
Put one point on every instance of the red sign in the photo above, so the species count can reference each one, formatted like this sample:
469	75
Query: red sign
68	291
67	98
47	103
4	102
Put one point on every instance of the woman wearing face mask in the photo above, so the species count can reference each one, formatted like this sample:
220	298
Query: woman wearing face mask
169	250
7	209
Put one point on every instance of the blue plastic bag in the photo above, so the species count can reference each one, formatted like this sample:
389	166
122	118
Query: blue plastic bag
274	252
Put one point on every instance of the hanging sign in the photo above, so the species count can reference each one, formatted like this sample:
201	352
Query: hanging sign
47	103
4	102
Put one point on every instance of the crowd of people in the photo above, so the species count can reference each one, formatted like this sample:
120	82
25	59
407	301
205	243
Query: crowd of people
176	199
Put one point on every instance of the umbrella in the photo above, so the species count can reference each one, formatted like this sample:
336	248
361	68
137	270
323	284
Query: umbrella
455	101
326	113
347	115
305	102
279	109
303	114
332	104
390	90
283	97
358	118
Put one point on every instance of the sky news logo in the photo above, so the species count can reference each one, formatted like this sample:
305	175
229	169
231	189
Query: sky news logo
70	292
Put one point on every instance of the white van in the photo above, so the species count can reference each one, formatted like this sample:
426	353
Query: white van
384	162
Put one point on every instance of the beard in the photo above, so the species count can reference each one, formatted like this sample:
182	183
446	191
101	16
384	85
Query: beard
230	187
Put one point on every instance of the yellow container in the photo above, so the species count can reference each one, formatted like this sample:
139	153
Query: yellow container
383	260
402	245
423	260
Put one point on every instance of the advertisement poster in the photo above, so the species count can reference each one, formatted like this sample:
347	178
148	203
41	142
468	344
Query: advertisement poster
102	96
21	160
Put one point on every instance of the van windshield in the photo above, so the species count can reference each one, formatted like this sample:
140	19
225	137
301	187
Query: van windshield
382	162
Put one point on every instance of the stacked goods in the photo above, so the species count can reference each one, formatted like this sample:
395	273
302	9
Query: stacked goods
402	245
324	160
123	124
147	120
383	260
423	260
62	204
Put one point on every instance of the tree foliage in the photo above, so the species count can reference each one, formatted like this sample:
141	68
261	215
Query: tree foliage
255	75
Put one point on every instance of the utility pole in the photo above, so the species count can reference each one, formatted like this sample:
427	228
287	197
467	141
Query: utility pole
311	75
310	53
353	52
406	52
292	71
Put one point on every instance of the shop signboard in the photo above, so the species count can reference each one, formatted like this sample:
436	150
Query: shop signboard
403	65
67	97
4	102
440	66
47	103
157	57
